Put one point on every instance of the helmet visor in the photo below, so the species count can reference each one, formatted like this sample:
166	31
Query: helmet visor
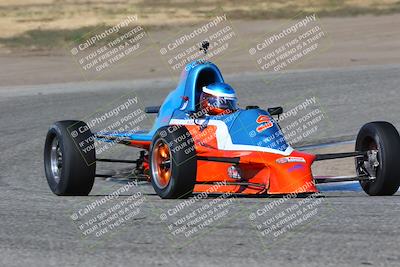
222	102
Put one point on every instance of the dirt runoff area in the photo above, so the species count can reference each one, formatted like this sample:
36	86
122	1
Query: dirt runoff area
352	41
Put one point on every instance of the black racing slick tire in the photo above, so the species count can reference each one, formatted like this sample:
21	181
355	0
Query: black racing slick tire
382	137
70	158
173	163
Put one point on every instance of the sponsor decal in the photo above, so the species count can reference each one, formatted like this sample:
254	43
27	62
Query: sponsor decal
290	159
297	166
265	122
185	102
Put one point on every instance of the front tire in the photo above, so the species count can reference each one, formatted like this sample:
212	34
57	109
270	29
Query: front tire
70	168
173	163
382	142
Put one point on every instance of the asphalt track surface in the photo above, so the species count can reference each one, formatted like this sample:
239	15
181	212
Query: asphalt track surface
348	229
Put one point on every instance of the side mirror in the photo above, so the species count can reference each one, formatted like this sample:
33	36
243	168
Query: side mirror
252	107
152	109
275	111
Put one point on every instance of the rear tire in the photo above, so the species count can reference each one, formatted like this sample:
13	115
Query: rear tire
70	169
173	163
383	137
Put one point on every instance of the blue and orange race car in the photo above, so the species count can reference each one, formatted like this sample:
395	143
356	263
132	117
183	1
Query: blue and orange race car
231	149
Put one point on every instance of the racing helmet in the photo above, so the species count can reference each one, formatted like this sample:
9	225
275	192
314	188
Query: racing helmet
218	98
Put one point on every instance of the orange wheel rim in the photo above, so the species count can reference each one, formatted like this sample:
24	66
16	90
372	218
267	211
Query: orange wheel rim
161	164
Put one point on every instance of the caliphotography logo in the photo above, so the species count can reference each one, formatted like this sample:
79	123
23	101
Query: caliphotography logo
199	133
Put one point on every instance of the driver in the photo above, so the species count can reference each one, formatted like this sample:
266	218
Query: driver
218	99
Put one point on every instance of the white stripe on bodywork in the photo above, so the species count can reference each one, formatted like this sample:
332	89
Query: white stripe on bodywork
224	140
212	92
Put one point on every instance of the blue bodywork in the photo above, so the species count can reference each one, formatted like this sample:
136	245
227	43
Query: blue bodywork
242	130
189	79
184	100
190	87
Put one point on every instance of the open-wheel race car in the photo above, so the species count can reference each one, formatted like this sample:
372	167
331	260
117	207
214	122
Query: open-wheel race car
241	150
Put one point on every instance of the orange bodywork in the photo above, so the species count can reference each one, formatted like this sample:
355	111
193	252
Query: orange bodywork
140	144
261	172
258	168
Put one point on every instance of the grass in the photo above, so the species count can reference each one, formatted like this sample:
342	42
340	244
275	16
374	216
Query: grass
36	40
45	39
48	24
